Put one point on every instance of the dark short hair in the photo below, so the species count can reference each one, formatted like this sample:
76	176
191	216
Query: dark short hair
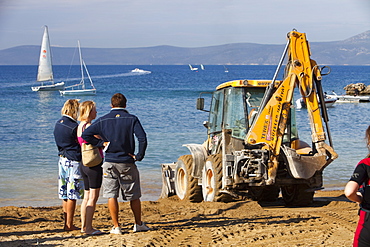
118	100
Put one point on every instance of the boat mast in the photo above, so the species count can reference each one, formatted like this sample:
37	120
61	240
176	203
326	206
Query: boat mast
81	65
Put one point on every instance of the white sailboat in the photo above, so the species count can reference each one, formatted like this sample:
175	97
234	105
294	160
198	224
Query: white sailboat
201	67
80	88
192	68
45	69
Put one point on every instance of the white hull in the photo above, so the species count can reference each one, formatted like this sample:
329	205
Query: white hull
353	99
192	68
51	87
330	102
140	71
350	98
80	92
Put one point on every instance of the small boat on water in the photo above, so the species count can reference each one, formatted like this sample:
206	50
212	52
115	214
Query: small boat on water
137	70
45	69
349	98
192	68
80	88
329	102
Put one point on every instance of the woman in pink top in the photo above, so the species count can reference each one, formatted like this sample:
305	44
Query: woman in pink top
92	176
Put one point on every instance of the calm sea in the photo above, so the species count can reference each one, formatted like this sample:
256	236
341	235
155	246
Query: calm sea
164	101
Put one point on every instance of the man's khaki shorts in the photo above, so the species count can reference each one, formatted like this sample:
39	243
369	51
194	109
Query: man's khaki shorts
121	176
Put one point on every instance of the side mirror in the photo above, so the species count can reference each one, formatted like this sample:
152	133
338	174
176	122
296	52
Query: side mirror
200	104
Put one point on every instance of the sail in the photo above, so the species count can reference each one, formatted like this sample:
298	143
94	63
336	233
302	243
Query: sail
45	71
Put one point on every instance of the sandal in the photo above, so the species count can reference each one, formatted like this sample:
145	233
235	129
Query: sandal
97	232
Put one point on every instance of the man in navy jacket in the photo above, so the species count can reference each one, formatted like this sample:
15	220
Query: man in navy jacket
117	131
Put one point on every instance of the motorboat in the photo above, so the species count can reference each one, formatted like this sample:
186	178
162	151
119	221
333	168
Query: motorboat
137	70
349	98
329	102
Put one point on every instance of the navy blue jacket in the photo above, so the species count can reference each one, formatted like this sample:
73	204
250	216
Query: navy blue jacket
118	127
65	134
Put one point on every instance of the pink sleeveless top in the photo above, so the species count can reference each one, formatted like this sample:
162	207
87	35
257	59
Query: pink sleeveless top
81	140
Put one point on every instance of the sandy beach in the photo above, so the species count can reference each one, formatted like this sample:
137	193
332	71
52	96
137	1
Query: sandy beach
330	221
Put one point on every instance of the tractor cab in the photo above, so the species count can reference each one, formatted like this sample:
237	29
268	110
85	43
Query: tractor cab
233	108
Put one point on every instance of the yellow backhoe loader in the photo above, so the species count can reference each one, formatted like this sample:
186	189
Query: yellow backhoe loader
252	147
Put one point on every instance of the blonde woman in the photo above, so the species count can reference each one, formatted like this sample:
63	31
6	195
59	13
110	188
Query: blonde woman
92	176
70	183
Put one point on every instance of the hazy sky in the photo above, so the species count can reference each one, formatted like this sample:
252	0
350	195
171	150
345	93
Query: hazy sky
190	23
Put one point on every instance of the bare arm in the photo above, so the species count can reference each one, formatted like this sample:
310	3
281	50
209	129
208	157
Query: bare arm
351	192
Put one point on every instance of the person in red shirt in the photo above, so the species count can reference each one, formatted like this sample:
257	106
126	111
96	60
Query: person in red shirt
358	190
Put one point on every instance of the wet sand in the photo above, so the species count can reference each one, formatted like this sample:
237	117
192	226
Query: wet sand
330	221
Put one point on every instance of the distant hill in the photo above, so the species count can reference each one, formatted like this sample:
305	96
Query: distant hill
352	51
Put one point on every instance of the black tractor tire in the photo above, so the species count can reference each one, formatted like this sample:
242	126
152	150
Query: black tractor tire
212	180
297	195
186	186
268	193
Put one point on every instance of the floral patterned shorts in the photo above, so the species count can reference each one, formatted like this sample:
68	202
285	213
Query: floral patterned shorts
70	181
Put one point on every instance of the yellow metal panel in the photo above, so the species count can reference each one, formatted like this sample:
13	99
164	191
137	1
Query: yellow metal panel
246	83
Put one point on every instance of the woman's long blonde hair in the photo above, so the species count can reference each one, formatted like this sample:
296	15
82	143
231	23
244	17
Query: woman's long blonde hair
85	110
70	108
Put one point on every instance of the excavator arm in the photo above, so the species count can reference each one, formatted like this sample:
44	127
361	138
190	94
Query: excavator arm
269	128
306	72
